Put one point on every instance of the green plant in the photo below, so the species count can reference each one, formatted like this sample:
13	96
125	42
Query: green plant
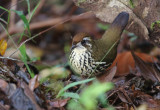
131	3
62	91
153	24
80	1
88	98
24	57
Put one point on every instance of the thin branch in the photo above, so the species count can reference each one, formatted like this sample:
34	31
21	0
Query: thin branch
12	17
39	7
10	58
47	23
59	23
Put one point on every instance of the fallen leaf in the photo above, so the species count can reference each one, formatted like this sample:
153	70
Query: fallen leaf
140	98
8	89
33	83
125	62
2	107
3	85
108	76
122	97
30	95
20	101
59	103
149	72
3	46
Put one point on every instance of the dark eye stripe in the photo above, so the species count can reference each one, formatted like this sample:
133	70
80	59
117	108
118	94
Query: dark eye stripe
83	42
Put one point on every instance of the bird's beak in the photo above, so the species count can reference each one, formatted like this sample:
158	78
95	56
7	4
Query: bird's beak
73	46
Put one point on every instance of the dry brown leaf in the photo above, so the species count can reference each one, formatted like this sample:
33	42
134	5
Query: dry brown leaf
3	46
149	72
108	76
2	107
125	62
3	86
33	83
29	94
59	103
140	98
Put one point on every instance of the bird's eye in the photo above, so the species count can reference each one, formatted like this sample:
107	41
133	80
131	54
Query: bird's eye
83	42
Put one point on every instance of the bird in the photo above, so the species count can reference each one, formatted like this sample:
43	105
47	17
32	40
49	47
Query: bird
91	57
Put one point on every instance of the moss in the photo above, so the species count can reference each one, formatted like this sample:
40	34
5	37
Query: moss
80	1
153	24
131	3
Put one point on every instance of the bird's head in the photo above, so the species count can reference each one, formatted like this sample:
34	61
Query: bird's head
81	41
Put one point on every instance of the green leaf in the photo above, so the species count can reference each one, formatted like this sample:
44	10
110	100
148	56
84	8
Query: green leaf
71	95
90	94
4	8
23	52
24	19
29	7
104	103
61	92
24	58
74	104
8	19
34	10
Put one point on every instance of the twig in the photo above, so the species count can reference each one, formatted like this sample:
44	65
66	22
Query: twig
8	72
128	98
59	23
10	58
47	23
12	17
2	70
39	7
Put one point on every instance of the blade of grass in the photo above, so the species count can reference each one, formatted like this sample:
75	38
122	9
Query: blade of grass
24	19
18	34
34	10
8	35
24	58
29	7
4	9
8	19
21	36
61	92
30	17
3	21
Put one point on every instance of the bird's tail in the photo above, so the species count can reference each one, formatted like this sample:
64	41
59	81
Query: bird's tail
116	28
120	21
